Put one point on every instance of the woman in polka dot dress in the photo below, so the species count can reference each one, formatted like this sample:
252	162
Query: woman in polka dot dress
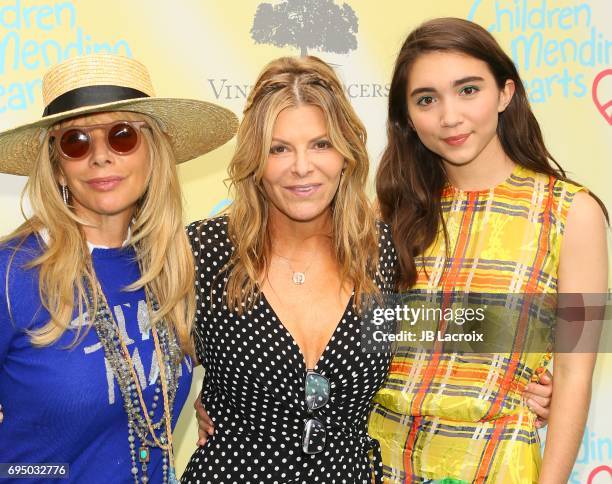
282	283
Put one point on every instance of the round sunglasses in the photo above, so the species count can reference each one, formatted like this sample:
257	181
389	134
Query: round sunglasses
317	395
75	142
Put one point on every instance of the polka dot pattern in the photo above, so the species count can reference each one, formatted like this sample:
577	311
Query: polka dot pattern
254	384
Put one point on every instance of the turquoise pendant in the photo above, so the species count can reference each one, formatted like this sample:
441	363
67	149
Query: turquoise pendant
143	454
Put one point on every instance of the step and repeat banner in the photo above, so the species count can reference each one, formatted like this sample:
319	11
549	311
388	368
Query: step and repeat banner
214	50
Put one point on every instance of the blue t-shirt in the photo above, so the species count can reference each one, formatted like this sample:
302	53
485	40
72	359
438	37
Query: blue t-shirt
65	405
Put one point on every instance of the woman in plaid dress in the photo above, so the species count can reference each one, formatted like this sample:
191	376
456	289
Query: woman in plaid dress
478	205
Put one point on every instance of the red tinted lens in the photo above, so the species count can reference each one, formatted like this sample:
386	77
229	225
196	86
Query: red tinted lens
122	138
74	143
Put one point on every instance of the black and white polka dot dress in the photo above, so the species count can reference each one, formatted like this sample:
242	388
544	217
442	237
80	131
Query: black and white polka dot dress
254	384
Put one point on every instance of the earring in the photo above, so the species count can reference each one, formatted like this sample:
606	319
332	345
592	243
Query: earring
65	194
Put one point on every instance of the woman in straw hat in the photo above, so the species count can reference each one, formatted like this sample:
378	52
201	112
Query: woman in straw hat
97	299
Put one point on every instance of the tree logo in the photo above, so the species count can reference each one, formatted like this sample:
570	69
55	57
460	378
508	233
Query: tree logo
306	24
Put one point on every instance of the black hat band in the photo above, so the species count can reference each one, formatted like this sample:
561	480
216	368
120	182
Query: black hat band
91	96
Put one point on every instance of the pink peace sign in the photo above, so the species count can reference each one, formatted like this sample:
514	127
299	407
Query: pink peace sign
601	104
599	469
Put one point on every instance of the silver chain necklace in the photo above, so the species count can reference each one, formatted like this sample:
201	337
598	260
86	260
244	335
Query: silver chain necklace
298	277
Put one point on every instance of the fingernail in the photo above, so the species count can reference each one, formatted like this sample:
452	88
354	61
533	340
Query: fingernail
540	370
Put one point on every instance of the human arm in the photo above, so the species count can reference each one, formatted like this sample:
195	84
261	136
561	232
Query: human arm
193	232
582	269
7	327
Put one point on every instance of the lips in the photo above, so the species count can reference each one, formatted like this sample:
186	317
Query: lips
104	184
303	190
456	140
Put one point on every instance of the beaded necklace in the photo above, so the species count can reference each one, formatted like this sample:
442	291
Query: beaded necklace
168	357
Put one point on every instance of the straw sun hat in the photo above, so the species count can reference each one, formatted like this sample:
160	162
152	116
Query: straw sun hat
105	82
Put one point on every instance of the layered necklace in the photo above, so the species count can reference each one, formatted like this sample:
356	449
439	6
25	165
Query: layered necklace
140	424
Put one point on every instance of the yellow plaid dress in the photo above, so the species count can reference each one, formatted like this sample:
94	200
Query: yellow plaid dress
460	417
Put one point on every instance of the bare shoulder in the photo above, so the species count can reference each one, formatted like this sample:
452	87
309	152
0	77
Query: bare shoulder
585	213
584	259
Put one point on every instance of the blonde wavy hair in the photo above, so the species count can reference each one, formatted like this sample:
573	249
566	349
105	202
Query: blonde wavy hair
157	233
290	82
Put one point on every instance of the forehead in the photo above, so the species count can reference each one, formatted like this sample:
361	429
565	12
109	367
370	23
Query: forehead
441	68
300	118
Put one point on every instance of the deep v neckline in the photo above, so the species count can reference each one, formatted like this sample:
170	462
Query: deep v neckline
294	342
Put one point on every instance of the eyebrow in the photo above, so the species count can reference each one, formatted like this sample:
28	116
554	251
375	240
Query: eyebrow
316	138
458	82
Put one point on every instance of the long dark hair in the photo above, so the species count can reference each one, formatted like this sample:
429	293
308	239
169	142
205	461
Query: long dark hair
410	177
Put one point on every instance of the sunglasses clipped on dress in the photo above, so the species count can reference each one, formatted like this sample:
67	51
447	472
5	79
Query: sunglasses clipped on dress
317	395
75	142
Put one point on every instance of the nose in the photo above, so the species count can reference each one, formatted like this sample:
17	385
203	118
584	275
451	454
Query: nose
450	116
301	166
100	152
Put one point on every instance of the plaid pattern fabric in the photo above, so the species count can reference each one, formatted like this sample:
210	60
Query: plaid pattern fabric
455	417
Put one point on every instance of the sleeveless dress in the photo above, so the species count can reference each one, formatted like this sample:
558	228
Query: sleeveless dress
460	417
254	384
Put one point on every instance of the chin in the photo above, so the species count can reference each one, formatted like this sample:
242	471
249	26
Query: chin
456	158
305	215
110	208
458	161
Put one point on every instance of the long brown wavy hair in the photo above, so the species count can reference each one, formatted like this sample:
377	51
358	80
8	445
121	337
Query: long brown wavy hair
289	82
410	177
